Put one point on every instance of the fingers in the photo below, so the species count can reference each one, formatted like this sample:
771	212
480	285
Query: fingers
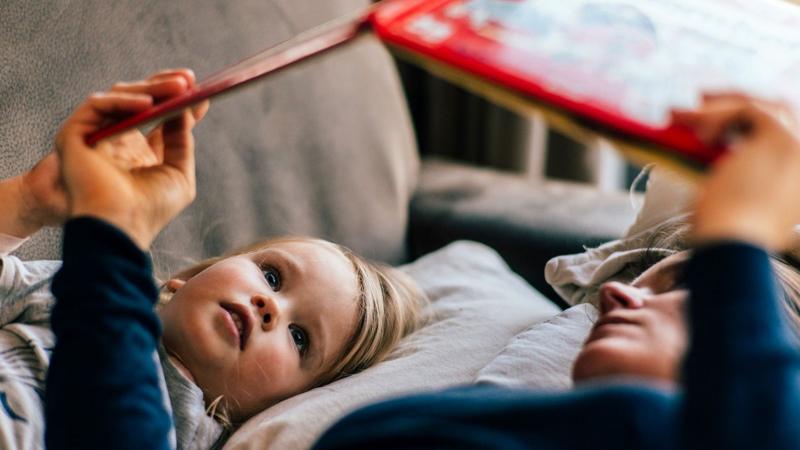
768	105
129	150
178	144
104	105
718	124
199	110
724	119
156	136
165	84
129	98
155	141
96	111
186	74
159	89
162	85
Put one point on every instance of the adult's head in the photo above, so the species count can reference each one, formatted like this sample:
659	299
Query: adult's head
641	330
749	196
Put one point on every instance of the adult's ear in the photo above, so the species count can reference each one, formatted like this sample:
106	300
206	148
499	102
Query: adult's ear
174	284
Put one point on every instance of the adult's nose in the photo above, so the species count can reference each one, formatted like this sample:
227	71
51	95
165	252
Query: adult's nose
615	295
267	310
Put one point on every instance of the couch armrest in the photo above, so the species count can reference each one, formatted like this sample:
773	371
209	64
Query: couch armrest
527	222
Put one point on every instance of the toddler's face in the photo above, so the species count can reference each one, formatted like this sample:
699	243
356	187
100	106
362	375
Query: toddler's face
261	327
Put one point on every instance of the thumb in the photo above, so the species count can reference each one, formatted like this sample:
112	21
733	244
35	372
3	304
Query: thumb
95	111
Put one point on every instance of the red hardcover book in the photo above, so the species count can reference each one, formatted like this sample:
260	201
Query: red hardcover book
613	69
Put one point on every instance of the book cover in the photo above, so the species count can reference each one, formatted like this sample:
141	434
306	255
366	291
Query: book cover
593	68
614	68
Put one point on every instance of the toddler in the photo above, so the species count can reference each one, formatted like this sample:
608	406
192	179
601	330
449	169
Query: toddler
240	332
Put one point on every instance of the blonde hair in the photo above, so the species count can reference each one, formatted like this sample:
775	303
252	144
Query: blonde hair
389	308
673	234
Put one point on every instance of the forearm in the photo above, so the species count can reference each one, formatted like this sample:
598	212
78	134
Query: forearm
103	385
14	218
742	370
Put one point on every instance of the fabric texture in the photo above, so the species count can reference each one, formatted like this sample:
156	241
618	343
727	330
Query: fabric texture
9	243
26	342
541	357
105	298
741	387
577	277
323	149
194	429
527	221
477	306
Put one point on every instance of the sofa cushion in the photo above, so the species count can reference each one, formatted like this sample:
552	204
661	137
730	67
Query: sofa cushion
323	149
527	221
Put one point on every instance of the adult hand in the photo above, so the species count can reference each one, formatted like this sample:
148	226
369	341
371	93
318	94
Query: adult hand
135	182
752	193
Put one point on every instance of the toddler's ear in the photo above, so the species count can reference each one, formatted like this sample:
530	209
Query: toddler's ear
174	284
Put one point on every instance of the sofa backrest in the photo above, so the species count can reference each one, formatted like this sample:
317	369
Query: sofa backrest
323	149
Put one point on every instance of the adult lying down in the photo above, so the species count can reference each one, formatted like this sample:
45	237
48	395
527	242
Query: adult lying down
511	338
661	370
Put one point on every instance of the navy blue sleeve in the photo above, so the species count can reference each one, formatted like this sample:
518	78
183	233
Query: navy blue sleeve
742	373
741	387
103	385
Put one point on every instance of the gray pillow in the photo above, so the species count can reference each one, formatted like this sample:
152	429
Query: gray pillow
477	305
541	357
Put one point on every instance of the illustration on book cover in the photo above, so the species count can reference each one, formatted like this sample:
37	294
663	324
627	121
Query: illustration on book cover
638	58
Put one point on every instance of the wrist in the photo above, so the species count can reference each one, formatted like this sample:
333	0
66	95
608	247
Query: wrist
18	218
122	220
737	228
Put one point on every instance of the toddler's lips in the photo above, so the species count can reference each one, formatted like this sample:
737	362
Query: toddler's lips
242	321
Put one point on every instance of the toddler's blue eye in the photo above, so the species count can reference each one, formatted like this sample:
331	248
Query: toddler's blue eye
273	278
299	337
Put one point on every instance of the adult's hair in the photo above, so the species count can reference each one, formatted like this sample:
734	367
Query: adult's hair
673	234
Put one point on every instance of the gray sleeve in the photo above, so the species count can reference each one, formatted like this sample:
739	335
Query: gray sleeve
25	290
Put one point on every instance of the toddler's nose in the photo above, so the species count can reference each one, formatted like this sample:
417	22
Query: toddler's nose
615	295
268	310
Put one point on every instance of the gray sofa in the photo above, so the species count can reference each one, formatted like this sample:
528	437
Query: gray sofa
324	149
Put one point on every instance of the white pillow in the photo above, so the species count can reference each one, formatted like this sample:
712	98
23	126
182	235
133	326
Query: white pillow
576	278
541	357
477	305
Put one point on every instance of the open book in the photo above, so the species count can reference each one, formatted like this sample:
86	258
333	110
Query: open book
593	68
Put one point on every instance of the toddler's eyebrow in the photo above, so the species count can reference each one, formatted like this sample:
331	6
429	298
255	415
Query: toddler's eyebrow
291	264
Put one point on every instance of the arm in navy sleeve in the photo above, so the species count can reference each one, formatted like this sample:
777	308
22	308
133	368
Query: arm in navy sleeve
103	384
742	373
